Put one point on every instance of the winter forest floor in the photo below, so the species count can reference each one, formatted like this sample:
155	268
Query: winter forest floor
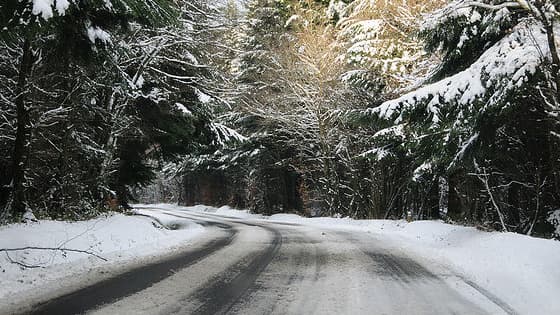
520	271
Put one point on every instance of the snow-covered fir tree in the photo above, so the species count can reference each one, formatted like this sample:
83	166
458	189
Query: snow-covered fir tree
381	43
483	120
130	92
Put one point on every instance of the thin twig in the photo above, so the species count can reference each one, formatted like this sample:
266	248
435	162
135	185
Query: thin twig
62	249
20	263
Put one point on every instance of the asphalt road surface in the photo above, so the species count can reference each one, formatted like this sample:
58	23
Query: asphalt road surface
259	267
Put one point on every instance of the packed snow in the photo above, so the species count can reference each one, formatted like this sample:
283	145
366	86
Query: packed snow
117	238
520	270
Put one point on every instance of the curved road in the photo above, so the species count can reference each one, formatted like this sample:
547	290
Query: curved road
259	267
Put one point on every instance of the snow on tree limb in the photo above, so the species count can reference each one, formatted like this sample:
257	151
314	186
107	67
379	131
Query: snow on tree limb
505	66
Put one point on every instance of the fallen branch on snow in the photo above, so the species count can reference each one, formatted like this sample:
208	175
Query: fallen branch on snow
61	249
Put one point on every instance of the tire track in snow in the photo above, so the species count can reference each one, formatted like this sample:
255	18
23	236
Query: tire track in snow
294	271
406	269
133	281
222	294
494	299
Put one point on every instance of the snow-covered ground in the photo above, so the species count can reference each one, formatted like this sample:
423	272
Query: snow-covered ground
520	270
121	240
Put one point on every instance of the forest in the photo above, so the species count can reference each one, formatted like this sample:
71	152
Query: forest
363	108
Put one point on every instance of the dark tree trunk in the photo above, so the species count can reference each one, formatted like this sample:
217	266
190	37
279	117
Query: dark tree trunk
432	204
551	39
454	209
19	156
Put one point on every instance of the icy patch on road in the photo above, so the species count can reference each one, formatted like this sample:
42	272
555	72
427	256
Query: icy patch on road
119	239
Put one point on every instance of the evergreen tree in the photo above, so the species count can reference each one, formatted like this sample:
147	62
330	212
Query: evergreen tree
381	44
97	124
290	79
484	123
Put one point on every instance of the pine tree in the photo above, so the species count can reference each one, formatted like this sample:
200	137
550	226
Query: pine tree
291	92
482	121
381	42
41	30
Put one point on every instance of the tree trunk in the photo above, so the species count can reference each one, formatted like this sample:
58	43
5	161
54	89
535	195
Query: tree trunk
19	157
551	39
454	208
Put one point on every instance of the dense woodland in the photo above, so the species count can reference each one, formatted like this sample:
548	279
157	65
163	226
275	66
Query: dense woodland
366	108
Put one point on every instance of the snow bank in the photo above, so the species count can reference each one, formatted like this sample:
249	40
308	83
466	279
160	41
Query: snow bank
522	271
225	211
117	238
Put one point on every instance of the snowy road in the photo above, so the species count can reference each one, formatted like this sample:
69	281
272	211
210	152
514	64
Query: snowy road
259	267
